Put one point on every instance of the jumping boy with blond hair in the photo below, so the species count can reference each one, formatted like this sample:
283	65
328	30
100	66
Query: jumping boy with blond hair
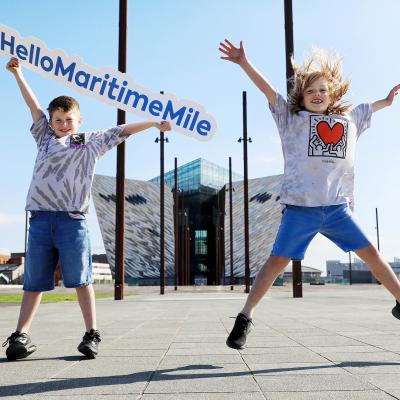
318	132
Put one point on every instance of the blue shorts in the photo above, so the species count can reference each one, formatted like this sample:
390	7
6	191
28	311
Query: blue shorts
299	225
57	236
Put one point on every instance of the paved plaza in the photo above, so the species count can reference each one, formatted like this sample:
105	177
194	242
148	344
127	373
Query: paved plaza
337	342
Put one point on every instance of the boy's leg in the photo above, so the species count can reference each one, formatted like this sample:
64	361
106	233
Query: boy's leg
19	343
40	263
298	226
380	269
264	280
29	305
91	338
342	229
87	303
73	244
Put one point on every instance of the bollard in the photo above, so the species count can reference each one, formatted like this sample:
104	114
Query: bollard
297	280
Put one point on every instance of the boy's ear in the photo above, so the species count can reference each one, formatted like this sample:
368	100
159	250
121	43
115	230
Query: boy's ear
80	120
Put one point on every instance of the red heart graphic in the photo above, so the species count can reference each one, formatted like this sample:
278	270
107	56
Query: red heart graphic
328	134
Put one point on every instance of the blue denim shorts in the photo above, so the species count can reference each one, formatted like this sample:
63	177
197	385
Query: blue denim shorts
57	236
299	225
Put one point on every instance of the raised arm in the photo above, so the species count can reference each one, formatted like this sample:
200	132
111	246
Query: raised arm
238	56
379	104
30	99
131	129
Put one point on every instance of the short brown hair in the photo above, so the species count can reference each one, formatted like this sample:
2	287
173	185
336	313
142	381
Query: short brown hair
62	103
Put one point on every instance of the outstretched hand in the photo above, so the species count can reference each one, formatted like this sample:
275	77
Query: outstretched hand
234	54
13	65
392	93
164	126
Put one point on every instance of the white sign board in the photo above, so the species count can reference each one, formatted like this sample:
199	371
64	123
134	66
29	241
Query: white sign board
108	85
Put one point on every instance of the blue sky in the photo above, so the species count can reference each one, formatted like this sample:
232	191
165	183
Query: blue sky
173	46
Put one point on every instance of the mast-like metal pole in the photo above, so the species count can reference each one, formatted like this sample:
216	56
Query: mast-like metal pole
120	185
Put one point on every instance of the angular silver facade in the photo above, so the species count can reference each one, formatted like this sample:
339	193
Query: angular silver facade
265	212
142	226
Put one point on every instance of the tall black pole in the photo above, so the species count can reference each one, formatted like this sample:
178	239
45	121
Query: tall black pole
217	244
162	227
350	270
297	279
26	232
120	186
182	240
377	228
176	238
230	223
289	47
246	198
187	236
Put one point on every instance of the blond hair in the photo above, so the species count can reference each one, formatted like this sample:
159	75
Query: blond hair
321	64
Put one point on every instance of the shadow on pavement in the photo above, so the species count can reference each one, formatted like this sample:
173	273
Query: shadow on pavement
158	375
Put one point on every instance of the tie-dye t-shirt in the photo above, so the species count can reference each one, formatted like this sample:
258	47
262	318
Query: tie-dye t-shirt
64	168
319	152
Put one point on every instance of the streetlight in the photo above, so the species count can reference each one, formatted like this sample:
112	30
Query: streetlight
244	139
230	190
183	237
176	237
161	140
219	236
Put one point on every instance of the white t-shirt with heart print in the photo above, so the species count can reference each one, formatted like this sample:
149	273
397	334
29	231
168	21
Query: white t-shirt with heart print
319	154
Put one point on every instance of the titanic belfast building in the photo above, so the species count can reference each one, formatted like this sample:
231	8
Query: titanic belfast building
200	222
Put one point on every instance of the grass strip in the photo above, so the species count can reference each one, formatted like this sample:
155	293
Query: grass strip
53	297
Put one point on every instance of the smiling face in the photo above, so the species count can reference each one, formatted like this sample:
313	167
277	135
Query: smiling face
316	97
65	123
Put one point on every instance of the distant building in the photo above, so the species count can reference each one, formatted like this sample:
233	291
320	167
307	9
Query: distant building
201	218
100	258
308	274
360	272
101	273
5	255
11	268
334	268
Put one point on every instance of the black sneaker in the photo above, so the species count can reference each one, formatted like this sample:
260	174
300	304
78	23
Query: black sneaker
242	327
90	343
19	346
396	310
